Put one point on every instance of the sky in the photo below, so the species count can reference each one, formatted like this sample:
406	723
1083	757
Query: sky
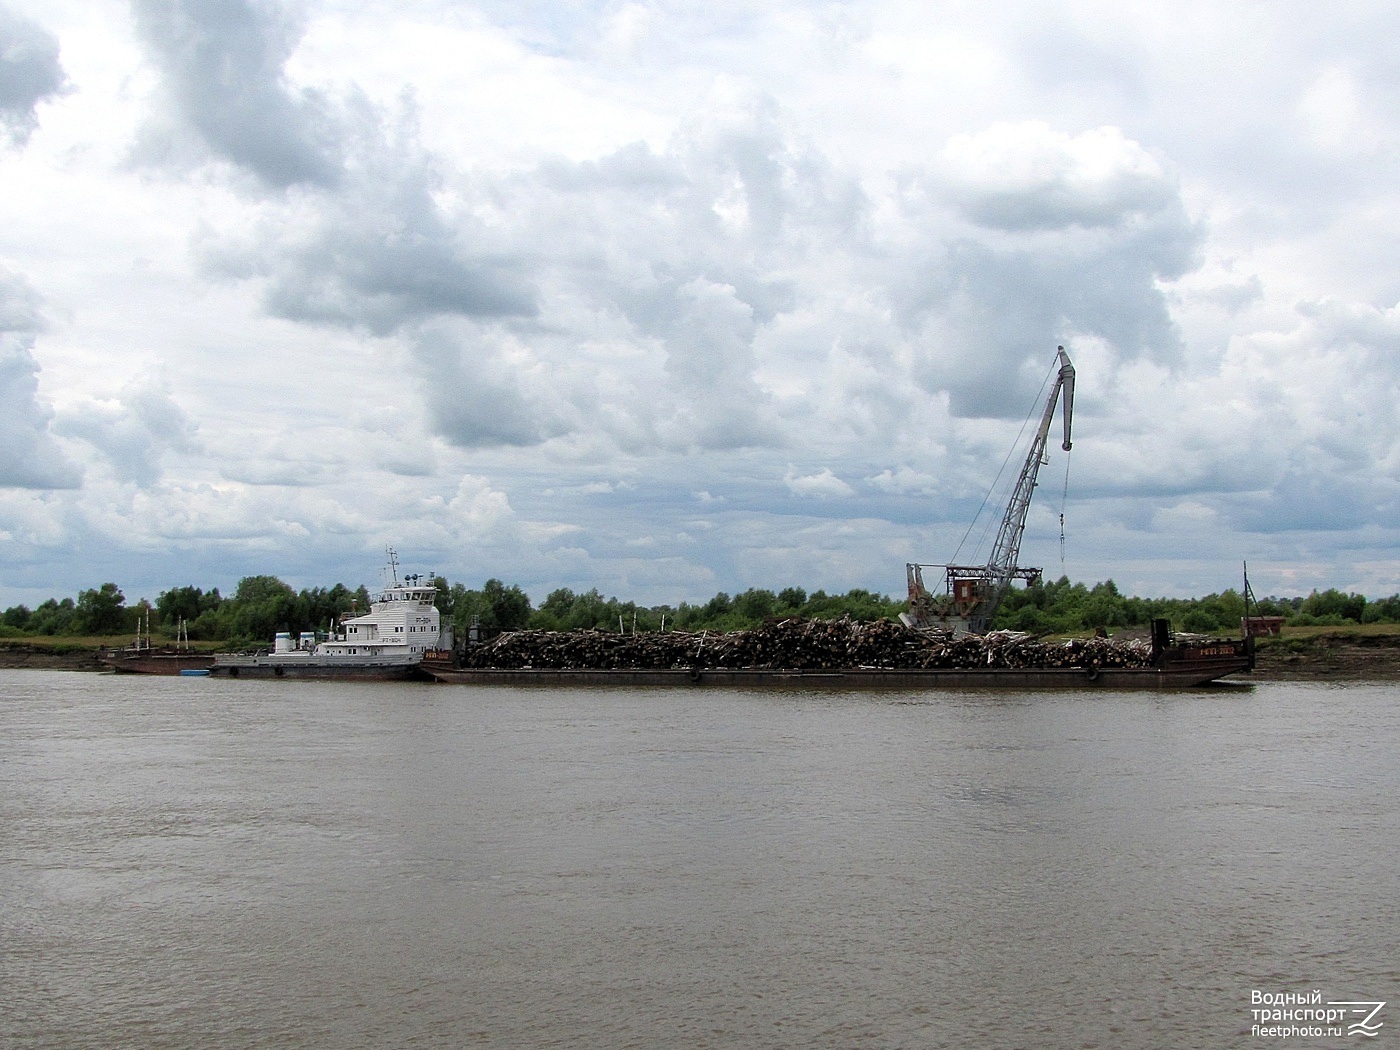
668	298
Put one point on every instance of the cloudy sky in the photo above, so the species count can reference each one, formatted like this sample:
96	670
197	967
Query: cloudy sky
671	298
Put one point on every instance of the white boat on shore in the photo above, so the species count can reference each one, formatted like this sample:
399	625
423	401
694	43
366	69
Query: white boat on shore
388	642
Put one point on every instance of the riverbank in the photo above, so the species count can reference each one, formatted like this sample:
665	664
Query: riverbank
66	654
1330	653
50	658
1310	653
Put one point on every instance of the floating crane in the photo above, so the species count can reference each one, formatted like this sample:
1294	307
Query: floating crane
975	592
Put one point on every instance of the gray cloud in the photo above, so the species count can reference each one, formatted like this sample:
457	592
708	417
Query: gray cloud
222	67
1306	501
471	400
380	271
1028	176
689	257
29	457
376	251
30	73
991	339
1049	238
1069	59
717	244
133	433
363	243
710	359
687	247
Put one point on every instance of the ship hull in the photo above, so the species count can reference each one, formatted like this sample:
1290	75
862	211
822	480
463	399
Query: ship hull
1183	673
156	663
277	666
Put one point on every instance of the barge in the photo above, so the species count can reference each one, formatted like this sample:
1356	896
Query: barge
1168	663
156	661
142	657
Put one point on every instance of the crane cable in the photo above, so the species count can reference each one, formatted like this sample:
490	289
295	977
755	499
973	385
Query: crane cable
991	490
1064	499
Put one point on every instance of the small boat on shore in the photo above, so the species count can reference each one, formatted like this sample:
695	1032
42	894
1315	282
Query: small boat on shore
387	643
169	661
142	657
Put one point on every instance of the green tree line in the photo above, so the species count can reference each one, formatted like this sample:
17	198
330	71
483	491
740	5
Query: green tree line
263	605
1061	607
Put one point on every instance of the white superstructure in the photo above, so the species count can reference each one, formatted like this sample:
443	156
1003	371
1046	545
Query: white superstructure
402	624
401	619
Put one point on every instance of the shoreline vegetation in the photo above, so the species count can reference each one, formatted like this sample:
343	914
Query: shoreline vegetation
262	606
1328	634
1329	653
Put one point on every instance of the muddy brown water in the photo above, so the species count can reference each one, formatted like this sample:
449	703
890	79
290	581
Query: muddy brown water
193	862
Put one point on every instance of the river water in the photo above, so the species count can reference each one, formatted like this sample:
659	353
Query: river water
195	862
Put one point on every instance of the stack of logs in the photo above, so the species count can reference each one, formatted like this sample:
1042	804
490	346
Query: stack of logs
793	645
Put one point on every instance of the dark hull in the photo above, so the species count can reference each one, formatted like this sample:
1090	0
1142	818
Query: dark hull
1181	673
360	672
156	663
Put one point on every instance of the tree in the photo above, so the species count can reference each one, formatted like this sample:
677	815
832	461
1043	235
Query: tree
1387	610
1333	606
718	606
443	598
180	603
554	611
100	611
263	605
1102	607
319	608
214	617
755	605
1200	621
792	598
591	611
52	617
510	606
507	608
1027	618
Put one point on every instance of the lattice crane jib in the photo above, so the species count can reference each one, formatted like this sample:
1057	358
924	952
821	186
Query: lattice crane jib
975	592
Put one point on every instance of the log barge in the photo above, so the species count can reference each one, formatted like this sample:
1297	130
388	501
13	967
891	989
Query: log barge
845	655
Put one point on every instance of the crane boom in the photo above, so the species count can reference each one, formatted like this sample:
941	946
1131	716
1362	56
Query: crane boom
976	591
1013	522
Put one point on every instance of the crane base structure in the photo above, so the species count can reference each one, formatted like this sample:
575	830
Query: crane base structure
972	594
